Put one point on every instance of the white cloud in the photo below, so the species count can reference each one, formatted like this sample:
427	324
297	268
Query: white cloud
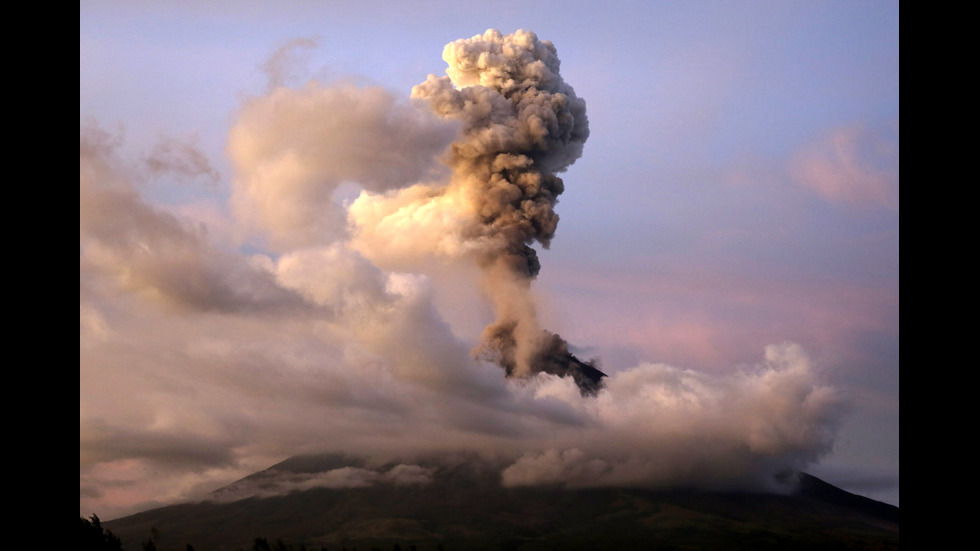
293	148
657	425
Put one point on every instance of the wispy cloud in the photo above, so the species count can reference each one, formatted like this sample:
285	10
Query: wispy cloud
852	165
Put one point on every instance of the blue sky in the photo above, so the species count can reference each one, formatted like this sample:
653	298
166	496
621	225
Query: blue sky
738	190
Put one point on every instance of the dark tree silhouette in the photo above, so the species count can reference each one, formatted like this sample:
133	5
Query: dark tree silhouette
93	537
151	544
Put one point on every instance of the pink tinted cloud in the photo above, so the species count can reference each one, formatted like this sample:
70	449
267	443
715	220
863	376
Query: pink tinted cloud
852	165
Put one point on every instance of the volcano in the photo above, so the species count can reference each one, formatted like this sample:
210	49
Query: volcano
457	502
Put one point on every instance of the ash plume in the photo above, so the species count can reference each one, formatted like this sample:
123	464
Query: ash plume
521	124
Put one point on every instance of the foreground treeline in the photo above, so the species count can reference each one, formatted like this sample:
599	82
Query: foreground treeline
93	537
262	544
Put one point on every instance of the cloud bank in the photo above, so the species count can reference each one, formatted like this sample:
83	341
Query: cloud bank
276	483
201	363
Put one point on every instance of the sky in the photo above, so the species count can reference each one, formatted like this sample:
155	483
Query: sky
364	226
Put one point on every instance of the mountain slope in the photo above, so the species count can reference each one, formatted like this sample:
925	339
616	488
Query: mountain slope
459	503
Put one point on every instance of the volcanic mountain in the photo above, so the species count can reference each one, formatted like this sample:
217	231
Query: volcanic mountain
458	502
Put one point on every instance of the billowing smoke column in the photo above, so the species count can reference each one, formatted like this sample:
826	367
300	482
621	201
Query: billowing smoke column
521	124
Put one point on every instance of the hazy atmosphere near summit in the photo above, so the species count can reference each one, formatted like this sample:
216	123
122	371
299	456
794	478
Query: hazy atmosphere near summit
609	243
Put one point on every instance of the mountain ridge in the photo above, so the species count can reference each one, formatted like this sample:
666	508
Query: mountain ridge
333	501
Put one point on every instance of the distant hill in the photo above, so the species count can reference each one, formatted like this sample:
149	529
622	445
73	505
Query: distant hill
458	503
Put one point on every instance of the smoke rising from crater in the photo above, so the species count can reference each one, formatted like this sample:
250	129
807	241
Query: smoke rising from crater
521	125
